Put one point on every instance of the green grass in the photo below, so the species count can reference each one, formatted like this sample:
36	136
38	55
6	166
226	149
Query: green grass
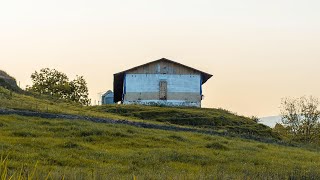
211	119
43	103
75	149
82	150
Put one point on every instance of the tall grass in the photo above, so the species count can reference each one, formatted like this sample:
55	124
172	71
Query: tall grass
59	148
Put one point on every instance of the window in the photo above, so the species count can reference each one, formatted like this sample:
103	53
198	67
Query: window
163	90
164	70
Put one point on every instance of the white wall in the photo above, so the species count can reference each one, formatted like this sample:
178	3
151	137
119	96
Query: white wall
150	83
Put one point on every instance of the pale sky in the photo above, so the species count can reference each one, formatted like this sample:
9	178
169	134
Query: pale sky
258	51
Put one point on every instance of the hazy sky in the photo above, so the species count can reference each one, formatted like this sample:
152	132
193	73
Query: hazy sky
258	51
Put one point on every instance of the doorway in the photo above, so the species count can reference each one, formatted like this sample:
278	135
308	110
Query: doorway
163	90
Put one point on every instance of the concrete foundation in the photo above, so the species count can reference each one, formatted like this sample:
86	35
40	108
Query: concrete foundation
165	103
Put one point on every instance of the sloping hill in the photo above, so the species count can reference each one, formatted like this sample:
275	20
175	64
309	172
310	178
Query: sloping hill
80	149
220	121
44	137
270	121
213	119
8	82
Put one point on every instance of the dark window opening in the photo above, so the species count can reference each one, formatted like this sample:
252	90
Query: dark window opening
163	90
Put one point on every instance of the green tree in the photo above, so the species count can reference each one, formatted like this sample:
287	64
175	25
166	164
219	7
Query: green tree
290	115
310	117
79	91
54	83
301	117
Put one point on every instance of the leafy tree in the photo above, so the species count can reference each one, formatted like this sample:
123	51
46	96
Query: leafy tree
79	91
57	84
290	115
301	117
310	117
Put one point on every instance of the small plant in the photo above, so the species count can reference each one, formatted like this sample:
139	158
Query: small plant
3	167
21	174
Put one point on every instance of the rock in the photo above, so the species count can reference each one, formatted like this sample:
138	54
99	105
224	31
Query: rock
8	82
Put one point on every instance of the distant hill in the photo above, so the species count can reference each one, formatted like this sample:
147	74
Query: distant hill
8	82
270	121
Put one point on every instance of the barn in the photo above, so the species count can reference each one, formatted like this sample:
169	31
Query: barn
160	82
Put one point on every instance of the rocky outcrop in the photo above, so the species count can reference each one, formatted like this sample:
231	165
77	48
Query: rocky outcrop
8	82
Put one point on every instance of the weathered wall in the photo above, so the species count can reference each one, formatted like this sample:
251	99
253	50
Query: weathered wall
150	82
163	67
181	89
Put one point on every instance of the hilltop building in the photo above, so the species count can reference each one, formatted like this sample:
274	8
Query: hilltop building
107	98
161	82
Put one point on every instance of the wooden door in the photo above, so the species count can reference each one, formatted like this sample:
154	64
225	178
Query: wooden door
163	90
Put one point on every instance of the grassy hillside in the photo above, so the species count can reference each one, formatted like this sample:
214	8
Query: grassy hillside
215	119
41	103
84	150
79	149
212	119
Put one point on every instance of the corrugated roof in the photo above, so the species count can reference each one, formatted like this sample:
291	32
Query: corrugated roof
119	77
